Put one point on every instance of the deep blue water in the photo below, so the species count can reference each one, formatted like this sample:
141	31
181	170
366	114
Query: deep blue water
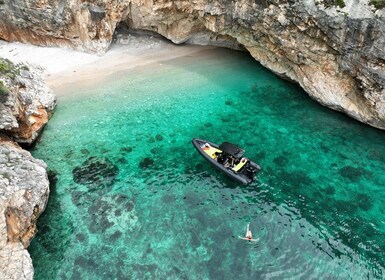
132	199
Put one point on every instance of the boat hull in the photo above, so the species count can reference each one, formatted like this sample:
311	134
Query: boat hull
243	177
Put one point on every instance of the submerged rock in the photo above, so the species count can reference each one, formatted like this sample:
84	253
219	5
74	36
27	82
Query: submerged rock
96	173
159	137
146	163
353	173
110	214
126	149
24	189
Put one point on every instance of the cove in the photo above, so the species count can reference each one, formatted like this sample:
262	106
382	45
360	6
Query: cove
132	199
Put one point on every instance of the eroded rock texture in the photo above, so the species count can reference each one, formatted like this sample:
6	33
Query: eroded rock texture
336	54
24	190
25	101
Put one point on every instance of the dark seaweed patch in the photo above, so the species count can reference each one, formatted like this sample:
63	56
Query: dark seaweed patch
118	212
346	207
156	150
213	264
100	224
377	154
106	211
225	119
68	154
84	151
330	190
159	137
75	274
81	237
122	160
297	178
168	198
120	198
44	229
115	236
93	209
364	201
324	148
85	262
260	155
352	173
146	163
144	271
281	161
129	206
52	178
126	149
96	173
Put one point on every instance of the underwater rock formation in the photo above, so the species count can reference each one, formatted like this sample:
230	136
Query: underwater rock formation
24	190
335	52
96	173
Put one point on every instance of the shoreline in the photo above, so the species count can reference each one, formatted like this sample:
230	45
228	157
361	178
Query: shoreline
65	68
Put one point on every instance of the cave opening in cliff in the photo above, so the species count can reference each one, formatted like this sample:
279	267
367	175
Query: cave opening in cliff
123	33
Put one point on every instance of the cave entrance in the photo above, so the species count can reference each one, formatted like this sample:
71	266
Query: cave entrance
123	32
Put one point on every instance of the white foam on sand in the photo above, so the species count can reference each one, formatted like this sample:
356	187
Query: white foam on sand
64	67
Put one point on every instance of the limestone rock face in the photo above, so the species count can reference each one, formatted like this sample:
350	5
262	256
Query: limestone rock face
85	25
25	103
336	54
24	190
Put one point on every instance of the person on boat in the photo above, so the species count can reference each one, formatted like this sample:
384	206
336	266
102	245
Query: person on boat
249	235
206	146
221	158
231	162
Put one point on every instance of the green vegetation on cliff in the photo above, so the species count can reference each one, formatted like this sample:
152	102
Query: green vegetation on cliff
5	65
9	69
2	88
330	3
379	4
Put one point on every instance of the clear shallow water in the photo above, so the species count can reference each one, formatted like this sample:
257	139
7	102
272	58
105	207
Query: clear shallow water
132	198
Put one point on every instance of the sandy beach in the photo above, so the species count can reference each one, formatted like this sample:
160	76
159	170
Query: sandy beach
66	67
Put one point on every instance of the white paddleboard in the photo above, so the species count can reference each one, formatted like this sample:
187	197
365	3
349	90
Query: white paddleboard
244	238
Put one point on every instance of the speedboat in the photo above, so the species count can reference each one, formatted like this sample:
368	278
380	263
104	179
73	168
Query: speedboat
229	159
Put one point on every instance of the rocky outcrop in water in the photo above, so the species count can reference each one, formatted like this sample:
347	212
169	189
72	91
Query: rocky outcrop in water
336	53
24	190
25	101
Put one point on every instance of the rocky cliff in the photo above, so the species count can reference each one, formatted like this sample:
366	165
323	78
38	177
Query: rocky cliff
24	190
334	50
25	103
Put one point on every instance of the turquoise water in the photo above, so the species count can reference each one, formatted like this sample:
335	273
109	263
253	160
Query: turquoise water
132	199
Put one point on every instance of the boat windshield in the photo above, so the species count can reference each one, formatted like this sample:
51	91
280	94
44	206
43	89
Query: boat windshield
231	149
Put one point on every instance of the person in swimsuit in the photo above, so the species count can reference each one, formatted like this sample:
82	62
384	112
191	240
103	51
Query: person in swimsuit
248	232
